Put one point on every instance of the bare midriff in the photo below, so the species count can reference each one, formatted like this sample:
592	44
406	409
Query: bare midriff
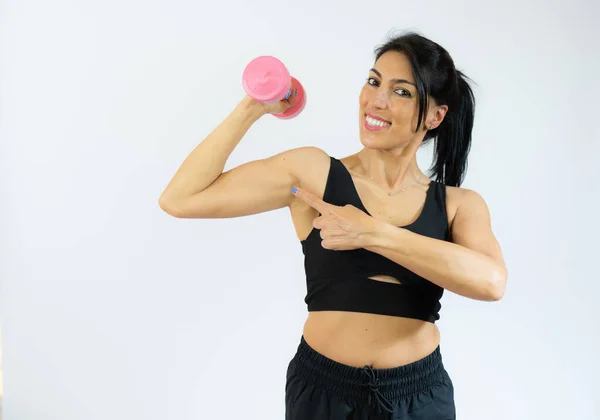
359	339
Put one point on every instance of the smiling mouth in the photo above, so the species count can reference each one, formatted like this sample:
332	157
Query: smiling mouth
375	123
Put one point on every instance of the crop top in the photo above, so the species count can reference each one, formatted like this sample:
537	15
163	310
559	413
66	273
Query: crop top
339	280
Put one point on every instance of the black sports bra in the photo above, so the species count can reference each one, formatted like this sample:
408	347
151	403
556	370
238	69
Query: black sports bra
339	280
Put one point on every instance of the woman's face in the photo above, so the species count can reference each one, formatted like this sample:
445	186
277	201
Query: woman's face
389	104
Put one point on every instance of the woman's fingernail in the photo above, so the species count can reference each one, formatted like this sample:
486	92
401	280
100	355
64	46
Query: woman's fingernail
294	189
287	96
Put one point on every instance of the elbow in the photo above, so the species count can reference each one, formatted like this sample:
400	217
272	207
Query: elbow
495	294
169	207
496	285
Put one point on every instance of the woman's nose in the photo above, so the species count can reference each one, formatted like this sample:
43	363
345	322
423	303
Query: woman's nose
381	99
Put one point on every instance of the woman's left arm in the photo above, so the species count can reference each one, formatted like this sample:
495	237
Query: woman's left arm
471	265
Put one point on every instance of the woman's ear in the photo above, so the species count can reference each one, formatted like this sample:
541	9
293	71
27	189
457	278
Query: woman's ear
436	116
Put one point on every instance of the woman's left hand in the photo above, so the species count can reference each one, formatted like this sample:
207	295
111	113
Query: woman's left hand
342	228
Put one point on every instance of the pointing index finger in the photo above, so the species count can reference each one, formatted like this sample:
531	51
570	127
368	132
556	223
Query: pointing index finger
312	200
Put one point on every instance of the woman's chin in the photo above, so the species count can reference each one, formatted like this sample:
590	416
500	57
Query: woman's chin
369	142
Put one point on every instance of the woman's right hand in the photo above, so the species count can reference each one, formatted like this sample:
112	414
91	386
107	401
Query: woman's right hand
277	107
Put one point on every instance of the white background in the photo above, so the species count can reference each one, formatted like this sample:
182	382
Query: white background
112	309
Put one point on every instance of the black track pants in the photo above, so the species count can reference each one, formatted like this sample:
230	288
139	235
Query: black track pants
318	388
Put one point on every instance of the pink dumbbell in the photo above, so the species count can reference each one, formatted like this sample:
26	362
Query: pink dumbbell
267	80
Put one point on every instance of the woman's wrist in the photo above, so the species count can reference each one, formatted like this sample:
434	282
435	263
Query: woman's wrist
252	108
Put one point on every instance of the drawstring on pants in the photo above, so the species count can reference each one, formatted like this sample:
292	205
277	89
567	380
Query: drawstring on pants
382	402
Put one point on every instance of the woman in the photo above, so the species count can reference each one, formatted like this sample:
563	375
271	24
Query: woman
381	240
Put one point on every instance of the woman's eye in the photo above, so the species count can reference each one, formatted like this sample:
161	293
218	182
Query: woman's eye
401	92
372	81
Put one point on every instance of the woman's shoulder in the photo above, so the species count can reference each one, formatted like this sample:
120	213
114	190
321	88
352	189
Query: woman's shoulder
462	194
308	164
467	199
306	154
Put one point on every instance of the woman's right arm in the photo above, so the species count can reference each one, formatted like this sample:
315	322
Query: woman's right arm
200	189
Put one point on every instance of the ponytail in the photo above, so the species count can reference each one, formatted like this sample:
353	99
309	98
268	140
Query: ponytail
453	136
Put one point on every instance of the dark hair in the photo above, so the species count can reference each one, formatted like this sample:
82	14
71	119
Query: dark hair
436	76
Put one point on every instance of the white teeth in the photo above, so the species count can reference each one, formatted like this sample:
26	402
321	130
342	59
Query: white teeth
376	123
